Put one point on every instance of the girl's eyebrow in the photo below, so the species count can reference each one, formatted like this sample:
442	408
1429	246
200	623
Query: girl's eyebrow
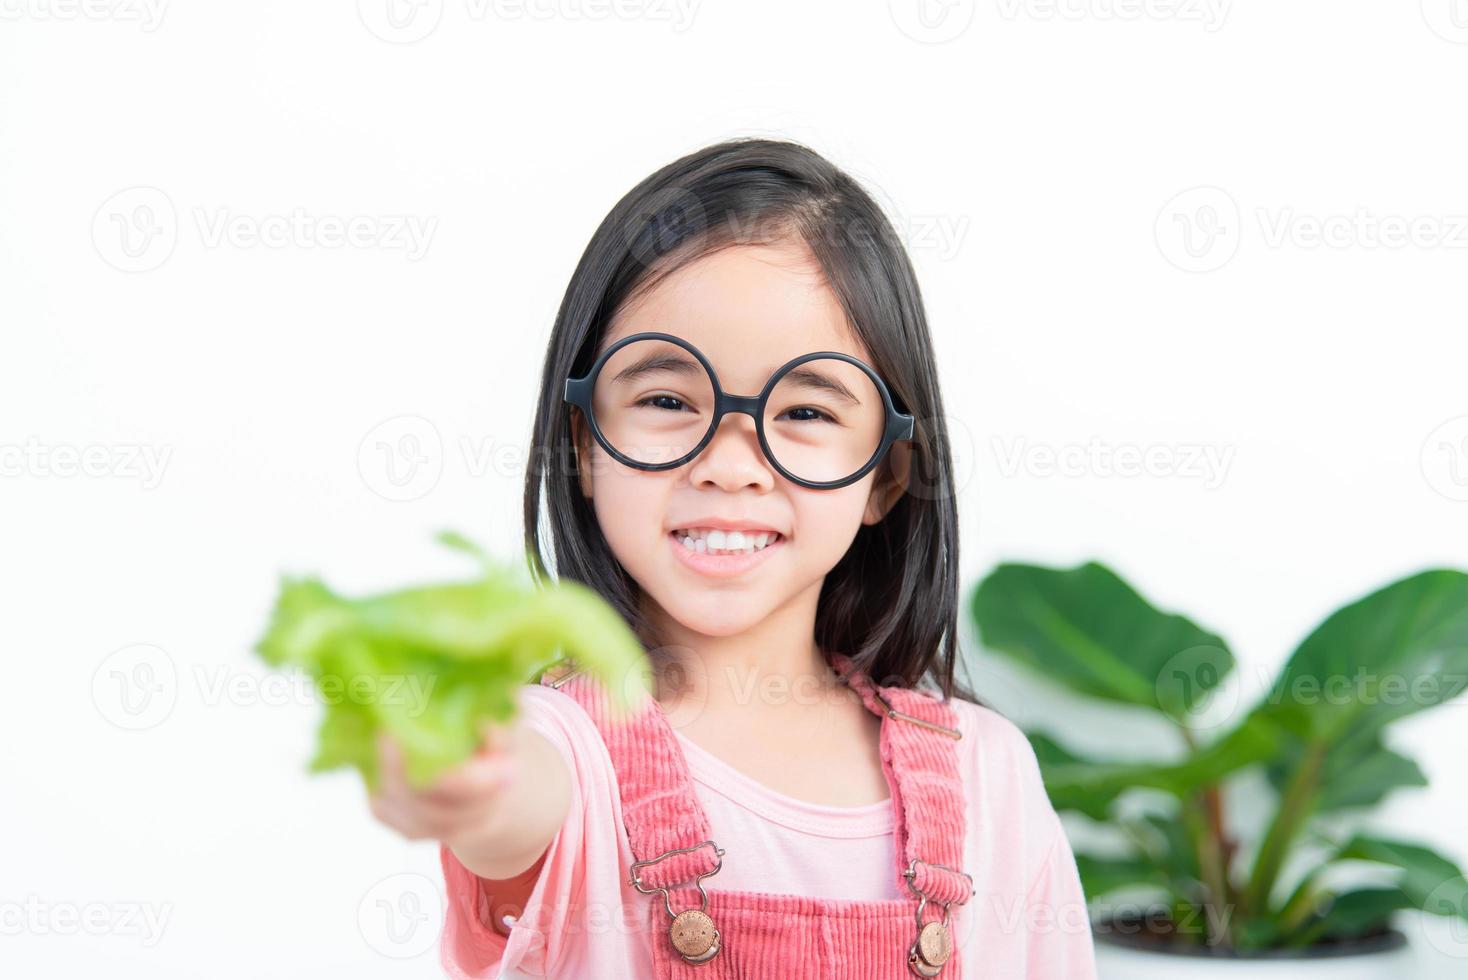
807	378
657	361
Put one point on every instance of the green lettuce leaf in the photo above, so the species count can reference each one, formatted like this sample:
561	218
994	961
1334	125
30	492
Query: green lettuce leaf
430	665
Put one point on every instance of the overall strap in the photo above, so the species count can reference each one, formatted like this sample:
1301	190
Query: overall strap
666	825
920	758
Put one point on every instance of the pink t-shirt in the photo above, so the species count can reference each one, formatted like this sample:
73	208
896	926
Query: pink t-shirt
1026	921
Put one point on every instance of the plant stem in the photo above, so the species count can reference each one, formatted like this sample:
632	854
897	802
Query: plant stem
1294	808
1203	813
1210	865
1300	904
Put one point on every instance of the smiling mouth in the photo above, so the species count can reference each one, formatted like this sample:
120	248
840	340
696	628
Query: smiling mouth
713	541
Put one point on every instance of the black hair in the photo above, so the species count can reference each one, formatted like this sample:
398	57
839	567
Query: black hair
891	603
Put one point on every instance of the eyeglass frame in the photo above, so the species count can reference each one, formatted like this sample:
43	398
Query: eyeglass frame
898	427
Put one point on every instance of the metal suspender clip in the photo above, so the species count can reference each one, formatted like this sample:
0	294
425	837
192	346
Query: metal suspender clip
556	675
692	932
933	945
894	713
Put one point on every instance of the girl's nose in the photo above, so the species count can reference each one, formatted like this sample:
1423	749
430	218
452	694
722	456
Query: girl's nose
732	460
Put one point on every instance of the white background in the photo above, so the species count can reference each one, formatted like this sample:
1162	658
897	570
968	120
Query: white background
1033	156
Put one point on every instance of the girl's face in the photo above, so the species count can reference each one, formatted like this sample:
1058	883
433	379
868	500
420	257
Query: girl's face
749	309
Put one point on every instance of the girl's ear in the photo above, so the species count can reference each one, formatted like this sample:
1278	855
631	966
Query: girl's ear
581	443
891	482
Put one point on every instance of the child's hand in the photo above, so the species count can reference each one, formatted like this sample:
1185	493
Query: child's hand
498	812
463	804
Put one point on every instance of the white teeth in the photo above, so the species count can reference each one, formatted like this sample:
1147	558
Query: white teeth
718	541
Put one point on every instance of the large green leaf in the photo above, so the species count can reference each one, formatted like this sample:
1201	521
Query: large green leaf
1090	785
1354	913
1087	629
1401	649
1358	772
1430	881
1424	880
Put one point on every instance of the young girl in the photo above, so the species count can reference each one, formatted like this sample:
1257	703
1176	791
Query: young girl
739	443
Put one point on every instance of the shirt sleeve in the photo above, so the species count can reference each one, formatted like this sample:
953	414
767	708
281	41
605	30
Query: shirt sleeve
1044	927
470	947
1059	937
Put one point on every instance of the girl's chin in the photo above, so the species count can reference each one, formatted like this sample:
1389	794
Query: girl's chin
720	616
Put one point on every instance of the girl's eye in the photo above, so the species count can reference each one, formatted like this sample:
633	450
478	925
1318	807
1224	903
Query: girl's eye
663	402
808	414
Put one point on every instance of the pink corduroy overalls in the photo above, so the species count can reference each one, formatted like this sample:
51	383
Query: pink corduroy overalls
705	933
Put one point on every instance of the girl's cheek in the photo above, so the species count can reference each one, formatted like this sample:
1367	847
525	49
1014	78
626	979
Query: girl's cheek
631	512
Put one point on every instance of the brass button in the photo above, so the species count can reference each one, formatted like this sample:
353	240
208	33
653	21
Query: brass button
694	935
934	944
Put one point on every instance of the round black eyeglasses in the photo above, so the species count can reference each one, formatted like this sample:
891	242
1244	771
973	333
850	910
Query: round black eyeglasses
823	419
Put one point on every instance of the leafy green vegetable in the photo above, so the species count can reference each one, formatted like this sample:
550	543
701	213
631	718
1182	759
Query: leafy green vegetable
431	665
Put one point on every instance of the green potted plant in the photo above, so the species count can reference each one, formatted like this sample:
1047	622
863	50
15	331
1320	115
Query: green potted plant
1173	868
